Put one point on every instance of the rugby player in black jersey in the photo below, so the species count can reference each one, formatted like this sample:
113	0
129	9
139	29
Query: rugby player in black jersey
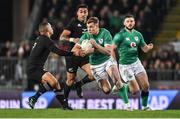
70	35
39	53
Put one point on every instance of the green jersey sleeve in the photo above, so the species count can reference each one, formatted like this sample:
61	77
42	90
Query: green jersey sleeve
83	37
108	38
142	42
117	39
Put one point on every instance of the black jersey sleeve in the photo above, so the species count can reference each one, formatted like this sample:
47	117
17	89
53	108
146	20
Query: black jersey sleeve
70	25
53	48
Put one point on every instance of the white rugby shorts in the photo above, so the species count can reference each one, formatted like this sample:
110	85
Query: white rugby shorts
128	72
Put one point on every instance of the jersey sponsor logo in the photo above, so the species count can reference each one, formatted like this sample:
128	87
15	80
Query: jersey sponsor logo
127	38
133	44
100	41
136	38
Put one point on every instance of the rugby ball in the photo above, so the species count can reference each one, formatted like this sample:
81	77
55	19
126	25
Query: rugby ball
85	45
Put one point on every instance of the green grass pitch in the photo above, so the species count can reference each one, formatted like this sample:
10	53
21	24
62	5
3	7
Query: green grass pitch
58	113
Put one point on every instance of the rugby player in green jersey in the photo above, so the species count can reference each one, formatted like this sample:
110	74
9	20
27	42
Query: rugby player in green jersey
101	63
126	42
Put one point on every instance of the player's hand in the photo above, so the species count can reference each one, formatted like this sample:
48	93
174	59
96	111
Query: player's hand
89	50
150	46
82	53
77	51
76	40
93	42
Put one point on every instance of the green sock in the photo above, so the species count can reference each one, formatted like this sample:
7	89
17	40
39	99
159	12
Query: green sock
144	98
123	93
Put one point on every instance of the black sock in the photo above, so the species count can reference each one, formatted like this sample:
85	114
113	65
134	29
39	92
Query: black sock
144	97
42	89
62	83
84	80
67	90
144	94
61	98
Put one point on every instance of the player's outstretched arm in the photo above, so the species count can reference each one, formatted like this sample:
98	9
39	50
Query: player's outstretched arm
113	51
59	51
147	48
77	51
65	36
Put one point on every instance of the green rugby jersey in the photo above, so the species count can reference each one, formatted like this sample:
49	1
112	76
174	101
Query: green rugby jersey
127	45
102	38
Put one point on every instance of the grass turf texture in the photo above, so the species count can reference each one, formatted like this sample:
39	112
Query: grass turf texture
58	113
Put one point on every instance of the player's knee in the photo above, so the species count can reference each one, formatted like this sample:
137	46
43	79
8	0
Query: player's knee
145	87
135	91
113	68
106	90
54	83
69	81
90	77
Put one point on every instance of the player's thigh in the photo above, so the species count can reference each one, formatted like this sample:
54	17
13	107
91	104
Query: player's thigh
71	64
142	79
114	74
87	69
99	71
126	73
70	76
133	86
50	79
111	66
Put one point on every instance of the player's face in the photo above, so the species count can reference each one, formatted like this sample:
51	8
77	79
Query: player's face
92	28
50	29
82	14
129	23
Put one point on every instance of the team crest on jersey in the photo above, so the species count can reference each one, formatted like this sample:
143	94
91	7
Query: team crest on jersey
127	38
136	38
100	41
133	44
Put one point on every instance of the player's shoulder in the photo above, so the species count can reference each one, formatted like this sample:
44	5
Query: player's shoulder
120	33
42	38
86	34
104	29
72	22
136	31
123	30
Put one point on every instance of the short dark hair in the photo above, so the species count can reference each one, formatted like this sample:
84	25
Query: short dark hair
93	20
128	16
42	26
81	6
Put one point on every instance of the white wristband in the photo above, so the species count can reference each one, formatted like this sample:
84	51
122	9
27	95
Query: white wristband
71	39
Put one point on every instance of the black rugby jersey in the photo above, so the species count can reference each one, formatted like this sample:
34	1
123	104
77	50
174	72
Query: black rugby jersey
41	49
76	27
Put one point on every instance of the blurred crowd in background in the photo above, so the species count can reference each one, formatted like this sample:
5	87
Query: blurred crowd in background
110	13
